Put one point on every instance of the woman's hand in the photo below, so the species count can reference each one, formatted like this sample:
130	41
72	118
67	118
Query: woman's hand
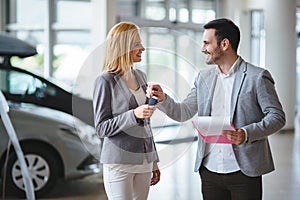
156	90
155	174
155	177
144	111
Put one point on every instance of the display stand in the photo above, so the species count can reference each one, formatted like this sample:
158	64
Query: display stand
4	109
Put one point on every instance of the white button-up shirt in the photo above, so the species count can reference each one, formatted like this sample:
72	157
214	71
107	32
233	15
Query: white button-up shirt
220	158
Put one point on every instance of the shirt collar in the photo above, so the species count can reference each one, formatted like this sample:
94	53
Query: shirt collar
232	70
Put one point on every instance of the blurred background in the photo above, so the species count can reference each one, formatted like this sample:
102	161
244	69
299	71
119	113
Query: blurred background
69	36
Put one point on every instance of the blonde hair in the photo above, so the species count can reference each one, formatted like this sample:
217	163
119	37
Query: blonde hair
119	43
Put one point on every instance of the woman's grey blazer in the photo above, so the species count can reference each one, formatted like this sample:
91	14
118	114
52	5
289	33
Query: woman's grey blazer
255	107
127	140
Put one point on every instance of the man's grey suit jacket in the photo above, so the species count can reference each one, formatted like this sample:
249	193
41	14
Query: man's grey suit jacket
255	107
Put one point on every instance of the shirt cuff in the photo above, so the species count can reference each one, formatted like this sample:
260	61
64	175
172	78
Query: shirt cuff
246	135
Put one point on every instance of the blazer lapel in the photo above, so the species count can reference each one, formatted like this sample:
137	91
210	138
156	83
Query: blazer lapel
125	92
207	85
142	82
237	85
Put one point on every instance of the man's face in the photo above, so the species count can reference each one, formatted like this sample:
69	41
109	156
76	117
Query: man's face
211	48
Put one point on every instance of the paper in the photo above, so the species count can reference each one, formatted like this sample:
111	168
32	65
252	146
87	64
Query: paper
210	128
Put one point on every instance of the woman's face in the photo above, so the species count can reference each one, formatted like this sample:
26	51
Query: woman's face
138	48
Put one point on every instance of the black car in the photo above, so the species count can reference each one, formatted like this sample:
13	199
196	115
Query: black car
20	85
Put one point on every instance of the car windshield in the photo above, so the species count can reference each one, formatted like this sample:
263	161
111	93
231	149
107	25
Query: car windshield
60	84
54	81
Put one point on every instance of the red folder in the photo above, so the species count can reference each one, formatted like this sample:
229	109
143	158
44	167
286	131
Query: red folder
215	137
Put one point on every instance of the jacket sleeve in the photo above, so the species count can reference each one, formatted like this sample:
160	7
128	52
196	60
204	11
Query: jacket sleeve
106	124
181	111
273	115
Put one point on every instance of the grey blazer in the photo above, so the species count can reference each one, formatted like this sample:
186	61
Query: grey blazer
254	106
127	140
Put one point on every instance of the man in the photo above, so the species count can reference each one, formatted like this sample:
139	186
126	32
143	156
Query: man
242	91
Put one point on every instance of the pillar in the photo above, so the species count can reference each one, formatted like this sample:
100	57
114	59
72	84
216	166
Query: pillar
280	23
104	17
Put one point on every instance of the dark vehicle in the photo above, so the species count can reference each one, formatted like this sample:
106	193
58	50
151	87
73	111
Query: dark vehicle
20	85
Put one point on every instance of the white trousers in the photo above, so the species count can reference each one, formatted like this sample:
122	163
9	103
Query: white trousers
120	185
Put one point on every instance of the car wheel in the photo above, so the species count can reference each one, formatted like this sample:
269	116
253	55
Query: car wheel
43	166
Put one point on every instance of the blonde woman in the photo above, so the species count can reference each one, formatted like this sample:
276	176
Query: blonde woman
122	118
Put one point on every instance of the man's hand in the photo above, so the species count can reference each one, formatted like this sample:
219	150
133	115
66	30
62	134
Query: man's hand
237	137
156	90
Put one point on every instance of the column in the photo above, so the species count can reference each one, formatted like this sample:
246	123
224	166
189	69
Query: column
280	22
104	17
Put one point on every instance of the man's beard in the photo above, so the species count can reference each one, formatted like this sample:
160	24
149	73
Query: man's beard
214	59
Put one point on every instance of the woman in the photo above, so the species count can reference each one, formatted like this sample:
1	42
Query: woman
122	118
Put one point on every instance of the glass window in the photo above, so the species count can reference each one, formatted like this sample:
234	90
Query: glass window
200	16
173	55
69	37
32	63
155	13
182	10
154	10
183	15
69	31
68	60
172	14
169	60
257	38
202	11
22	84
74	13
128	8
36	16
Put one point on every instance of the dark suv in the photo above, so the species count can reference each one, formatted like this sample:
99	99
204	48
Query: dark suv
20	85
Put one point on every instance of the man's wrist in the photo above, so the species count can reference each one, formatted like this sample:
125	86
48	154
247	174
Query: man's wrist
246	136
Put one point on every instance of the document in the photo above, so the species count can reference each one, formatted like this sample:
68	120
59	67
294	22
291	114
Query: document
210	128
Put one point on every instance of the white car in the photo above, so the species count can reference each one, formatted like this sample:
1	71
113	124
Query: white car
56	146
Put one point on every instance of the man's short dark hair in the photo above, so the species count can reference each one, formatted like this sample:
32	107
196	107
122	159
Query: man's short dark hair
225	28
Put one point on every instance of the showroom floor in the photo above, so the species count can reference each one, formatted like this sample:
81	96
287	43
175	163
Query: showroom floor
179	182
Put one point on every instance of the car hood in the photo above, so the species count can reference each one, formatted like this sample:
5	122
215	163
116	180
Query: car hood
44	112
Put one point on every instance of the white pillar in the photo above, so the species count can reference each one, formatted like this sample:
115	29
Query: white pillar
240	15
49	42
280	22
104	17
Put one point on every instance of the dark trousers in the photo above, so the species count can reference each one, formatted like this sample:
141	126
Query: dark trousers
232	186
